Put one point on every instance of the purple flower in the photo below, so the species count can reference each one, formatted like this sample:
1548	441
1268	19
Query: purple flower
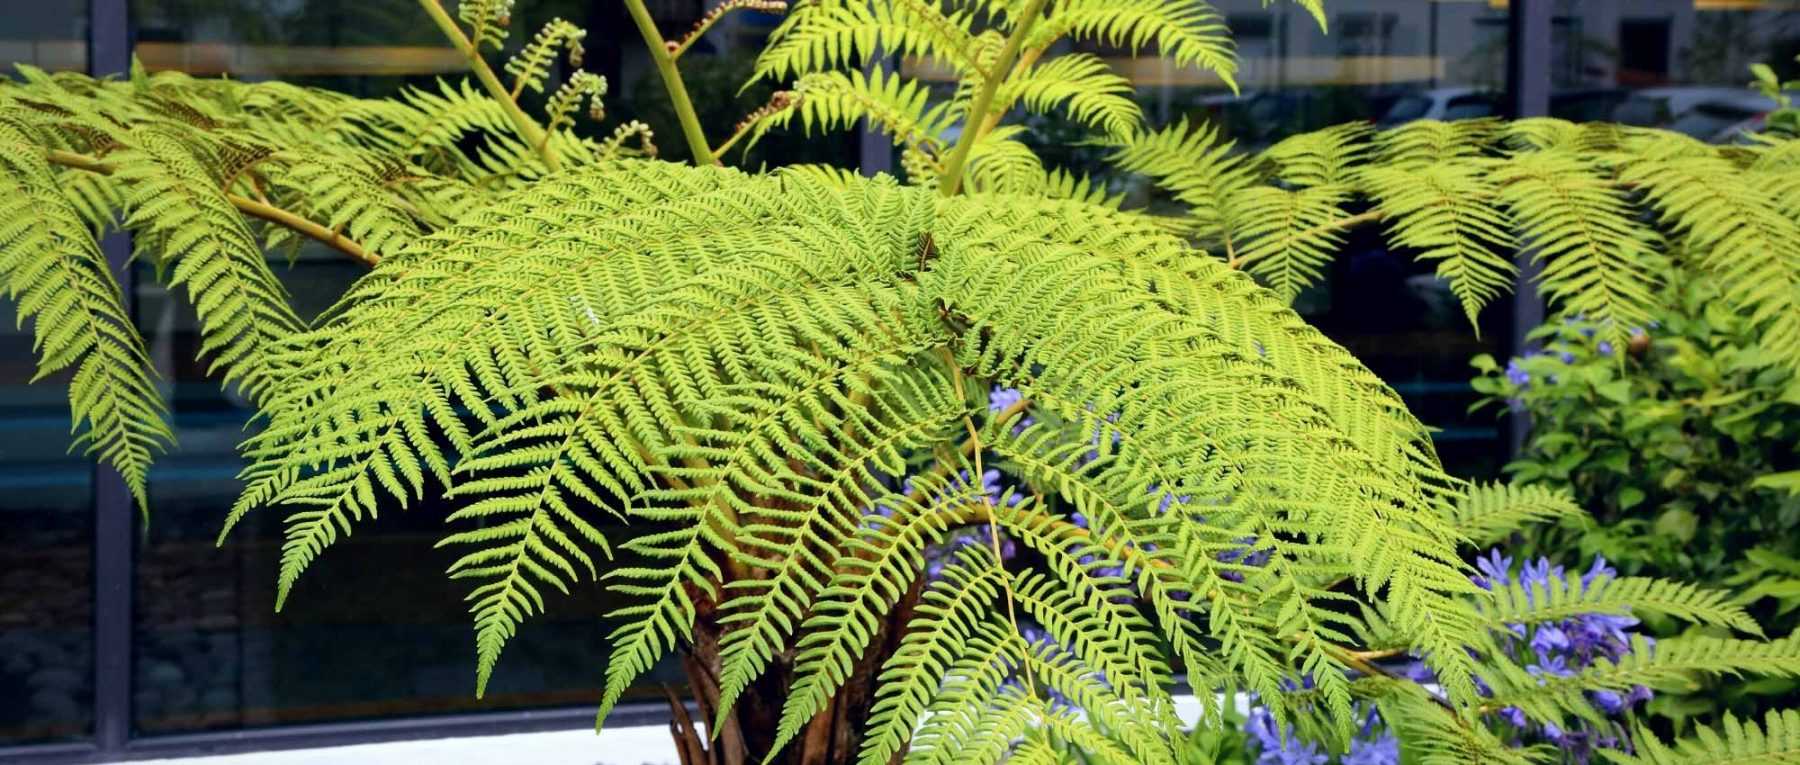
1600	570
1609	702
1496	570
1539	573
1514	716
1516	374
1000	399
1277	747
1549	638
1381	750
1419	672
1605	348
1567	357
1552	666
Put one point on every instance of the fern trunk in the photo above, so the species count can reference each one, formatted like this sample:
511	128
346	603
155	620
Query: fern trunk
834	737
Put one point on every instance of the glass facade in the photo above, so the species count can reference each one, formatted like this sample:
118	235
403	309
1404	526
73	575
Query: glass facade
1681	65
46	555
46	493
45	35
360	638
364	640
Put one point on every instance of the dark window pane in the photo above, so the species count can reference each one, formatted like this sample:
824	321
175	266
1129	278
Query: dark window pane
374	629
47	35
46	555
46	516
1388	62
1684	65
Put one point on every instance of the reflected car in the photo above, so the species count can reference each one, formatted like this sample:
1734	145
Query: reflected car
1659	107
1442	104
1587	104
1724	120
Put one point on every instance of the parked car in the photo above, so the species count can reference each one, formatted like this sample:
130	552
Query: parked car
1587	104
1444	104
1724	120
1658	107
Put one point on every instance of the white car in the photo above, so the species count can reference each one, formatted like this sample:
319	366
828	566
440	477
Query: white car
1442	104
1724	120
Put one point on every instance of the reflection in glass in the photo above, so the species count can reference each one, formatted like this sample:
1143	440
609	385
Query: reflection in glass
46	555
1676	64
373	630
50	36
46	516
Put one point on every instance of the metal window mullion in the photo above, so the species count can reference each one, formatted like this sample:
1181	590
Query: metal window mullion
1528	95
109	52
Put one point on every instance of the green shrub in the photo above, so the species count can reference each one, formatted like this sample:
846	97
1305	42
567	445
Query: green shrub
1663	439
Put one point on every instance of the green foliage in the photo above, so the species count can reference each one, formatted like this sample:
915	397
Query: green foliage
1668	439
1776	741
1466	194
1652	434
778	381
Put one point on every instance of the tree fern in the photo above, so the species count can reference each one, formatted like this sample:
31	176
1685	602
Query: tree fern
780	383
1776	741
55	271
1489	512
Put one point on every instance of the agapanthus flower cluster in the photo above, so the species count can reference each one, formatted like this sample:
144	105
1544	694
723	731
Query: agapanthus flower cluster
1563	648
1548	649
1374	743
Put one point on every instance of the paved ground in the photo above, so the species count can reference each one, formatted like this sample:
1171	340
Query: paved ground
648	745
645	745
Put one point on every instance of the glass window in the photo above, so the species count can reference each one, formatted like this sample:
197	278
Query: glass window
46	516
374	629
1677	64
46	554
45	35
1387	62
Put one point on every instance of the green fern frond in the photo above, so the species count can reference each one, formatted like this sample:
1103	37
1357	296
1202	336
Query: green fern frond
1437	736
1741	236
1577	594
487	20
1082	85
1592	250
183	221
1199	168
353	192
892	103
531	64
1669	664
1328	157
1775	742
827	35
53	268
1488	513
1187	32
1425	143
1445	212
1001	164
1287	237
